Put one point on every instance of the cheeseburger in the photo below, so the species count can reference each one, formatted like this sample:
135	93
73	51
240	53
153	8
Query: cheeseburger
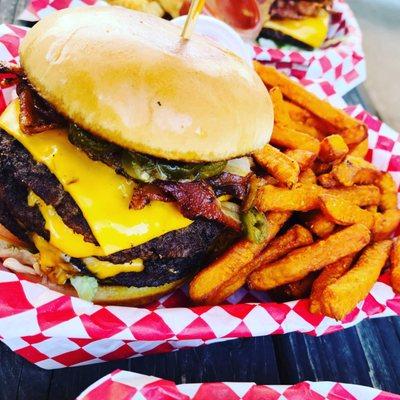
300	22
123	159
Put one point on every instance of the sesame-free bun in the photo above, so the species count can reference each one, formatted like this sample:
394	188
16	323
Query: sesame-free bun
130	78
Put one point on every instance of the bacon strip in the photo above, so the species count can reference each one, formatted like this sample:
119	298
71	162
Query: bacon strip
146	193
197	199
298	9
37	115
227	183
11	74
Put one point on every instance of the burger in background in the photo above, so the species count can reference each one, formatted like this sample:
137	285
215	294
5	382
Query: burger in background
303	23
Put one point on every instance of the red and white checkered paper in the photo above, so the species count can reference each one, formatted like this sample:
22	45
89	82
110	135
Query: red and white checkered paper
124	385
340	61
53	330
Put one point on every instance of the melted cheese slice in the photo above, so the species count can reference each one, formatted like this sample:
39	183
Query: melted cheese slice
101	194
312	31
104	269
61	236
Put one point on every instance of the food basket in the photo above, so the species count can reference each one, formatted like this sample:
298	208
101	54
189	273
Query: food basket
53	330
128	385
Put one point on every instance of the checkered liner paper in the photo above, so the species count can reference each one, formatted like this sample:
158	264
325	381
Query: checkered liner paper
124	385
340	61
53	330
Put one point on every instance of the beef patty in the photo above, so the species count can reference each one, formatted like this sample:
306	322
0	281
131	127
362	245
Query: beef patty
18	163
166	258
172	256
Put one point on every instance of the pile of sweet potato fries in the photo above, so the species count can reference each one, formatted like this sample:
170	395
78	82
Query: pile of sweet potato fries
330	213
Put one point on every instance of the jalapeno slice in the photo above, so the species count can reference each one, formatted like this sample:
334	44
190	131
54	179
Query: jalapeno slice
149	169
140	166
255	225
94	147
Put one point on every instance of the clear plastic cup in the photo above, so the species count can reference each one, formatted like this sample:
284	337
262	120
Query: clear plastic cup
221	33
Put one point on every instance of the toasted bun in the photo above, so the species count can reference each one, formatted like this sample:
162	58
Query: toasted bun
130	78
123	295
115	295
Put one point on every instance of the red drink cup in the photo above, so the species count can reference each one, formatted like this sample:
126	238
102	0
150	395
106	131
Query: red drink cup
242	15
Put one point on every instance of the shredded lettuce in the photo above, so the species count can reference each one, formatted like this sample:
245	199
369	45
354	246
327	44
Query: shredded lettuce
86	286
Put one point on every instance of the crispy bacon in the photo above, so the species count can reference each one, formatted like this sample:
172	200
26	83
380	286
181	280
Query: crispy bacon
146	193
197	199
298	9
10	73
227	183
37	115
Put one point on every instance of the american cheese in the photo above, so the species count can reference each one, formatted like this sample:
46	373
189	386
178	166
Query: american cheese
312	31
101	194
52	262
61	236
104	269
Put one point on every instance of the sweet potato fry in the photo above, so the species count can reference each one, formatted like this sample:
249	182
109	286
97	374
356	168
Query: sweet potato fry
388	189
352	130
295	290
355	170
309	130
385	224
343	212
305	197
279	165
204	284
360	149
304	121
299	263
286	137
307	176
330	274
340	297
303	157
281	114
395	265
332	148
269	180
328	181
362	196
319	224
320	167
355	134
295	237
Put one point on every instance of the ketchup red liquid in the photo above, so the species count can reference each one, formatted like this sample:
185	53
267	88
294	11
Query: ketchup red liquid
242	15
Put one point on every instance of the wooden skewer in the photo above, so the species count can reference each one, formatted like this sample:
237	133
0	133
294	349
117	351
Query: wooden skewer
195	9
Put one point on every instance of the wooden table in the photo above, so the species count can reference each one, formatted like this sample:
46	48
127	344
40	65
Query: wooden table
368	354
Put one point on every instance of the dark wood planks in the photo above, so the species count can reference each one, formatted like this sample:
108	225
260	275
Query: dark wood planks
367	354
